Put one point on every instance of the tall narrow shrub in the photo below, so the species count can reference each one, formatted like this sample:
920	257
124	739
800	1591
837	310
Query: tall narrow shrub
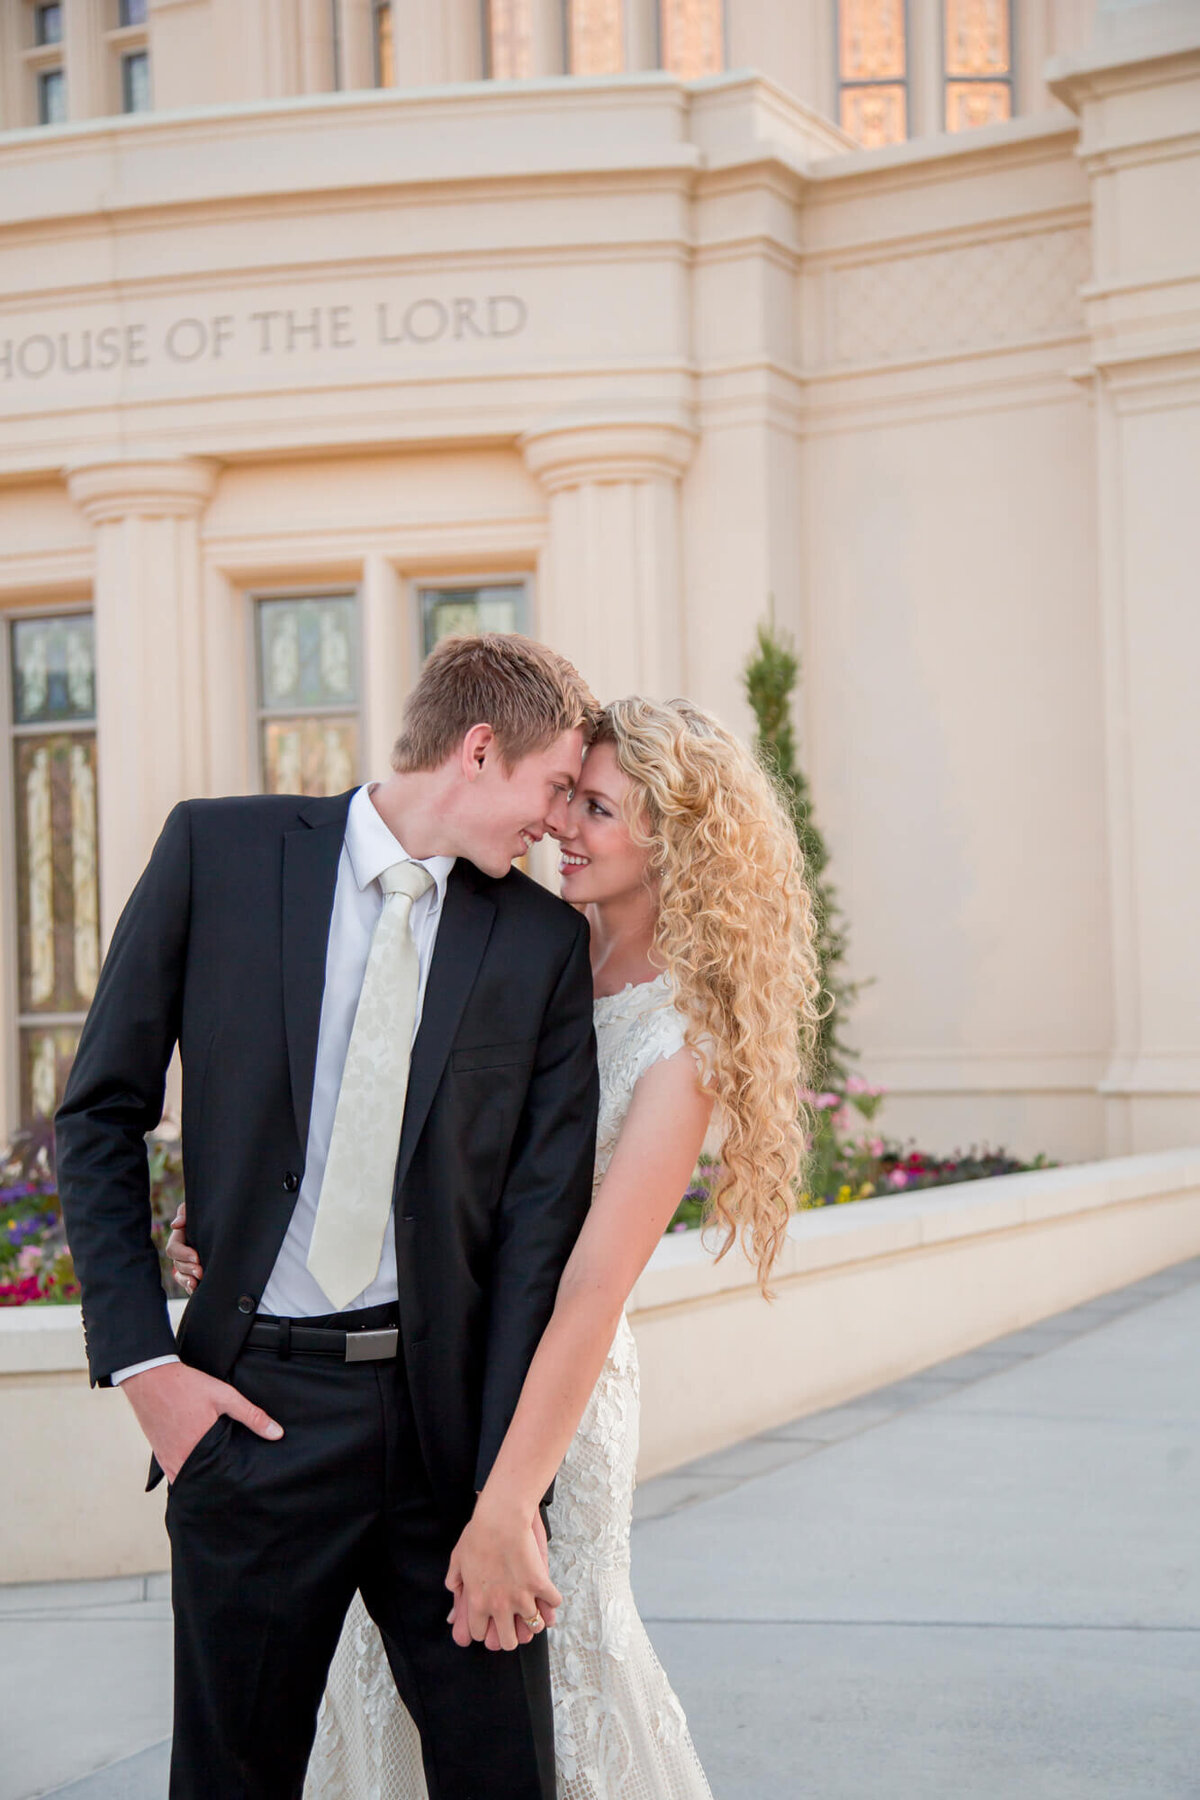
770	677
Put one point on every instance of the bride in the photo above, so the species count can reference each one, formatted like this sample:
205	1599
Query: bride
706	993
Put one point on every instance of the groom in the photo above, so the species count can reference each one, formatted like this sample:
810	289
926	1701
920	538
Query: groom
389	1110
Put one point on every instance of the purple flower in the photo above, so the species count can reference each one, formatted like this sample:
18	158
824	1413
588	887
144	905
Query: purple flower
21	1230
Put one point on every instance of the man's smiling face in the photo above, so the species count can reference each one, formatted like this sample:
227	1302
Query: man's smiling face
508	810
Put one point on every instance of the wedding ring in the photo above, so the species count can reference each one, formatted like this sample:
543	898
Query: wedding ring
537	1623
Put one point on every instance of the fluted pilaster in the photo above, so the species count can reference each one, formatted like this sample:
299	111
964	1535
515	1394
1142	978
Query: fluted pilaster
149	652
611	584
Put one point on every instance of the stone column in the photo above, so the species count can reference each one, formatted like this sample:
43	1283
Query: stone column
356	23
610	582
149	653
388	662
86	60
1137	93
316	47
549	30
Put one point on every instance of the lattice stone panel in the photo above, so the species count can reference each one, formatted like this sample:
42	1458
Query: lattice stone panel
970	297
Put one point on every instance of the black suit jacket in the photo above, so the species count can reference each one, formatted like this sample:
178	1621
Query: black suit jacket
221	948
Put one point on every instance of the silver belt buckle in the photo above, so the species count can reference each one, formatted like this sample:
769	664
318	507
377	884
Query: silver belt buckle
371	1346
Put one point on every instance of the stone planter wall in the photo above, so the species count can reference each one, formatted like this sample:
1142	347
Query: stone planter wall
866	1293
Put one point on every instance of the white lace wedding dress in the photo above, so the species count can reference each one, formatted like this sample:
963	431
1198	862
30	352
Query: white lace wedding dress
619	1731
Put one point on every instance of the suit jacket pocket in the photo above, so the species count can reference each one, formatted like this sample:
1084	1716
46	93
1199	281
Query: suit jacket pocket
493	1056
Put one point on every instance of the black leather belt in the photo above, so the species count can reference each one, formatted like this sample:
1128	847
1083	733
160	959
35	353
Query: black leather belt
287	1338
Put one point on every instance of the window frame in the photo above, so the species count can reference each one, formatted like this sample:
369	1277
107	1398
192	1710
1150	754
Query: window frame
485	26
465	582
129	57
42	79
41	8
258	714
10	906
889	81
565	37
1009	80
659	36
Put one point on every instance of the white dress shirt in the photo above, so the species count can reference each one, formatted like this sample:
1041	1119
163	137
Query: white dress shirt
367	850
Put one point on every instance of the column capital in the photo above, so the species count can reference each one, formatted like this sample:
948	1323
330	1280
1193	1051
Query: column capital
118	487
570	450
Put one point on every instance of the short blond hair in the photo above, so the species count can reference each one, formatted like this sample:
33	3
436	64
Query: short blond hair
526	692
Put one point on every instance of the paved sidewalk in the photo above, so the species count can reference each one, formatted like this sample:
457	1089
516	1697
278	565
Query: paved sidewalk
982	1583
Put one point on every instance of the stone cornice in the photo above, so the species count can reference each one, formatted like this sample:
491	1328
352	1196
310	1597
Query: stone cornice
141	487
1121	65
569	452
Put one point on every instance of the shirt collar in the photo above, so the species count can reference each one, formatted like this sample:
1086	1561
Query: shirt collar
372	848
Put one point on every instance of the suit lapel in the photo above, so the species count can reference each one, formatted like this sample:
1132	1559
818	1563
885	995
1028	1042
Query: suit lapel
310	865
463	932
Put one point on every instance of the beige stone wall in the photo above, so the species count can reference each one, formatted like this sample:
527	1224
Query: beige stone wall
682	357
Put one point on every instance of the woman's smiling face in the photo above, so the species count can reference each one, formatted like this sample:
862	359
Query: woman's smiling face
600	860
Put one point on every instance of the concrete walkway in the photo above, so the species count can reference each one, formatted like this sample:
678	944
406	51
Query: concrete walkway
982	1583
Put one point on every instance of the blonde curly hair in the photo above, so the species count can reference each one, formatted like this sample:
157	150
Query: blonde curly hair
735	933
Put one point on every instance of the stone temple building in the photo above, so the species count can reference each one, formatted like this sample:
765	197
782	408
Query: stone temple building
330	326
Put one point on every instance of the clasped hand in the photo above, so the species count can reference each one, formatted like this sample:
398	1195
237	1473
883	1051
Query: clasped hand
499	1575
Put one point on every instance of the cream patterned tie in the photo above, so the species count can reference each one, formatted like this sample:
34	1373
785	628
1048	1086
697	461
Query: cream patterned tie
356	1192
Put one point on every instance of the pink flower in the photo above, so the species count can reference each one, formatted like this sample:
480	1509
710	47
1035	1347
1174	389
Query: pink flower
897	1179
875	1146
29	1261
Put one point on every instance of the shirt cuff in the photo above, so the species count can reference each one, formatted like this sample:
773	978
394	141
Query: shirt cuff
155	1362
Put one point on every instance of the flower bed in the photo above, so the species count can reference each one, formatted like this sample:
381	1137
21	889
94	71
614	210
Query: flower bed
847	1161
35	1261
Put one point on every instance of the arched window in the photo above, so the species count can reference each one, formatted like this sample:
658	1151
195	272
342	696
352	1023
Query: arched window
692	37
873	71
509	39
978	63
595	37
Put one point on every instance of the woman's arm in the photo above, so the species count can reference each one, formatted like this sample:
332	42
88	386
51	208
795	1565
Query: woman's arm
495	1563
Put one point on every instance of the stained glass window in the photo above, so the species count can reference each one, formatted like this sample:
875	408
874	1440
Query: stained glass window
57	866
692	37
308	694
453	611
978	62
873	71
595	37
135	82
509	39
52	97
48	24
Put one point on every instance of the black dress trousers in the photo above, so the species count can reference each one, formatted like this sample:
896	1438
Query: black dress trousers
269	1541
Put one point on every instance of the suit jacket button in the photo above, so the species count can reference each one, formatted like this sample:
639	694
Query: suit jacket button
246	1303
291	1182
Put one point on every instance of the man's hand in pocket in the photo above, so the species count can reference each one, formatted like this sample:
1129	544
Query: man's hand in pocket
176	1405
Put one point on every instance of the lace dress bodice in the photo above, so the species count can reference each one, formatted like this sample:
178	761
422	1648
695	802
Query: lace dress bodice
634	1029
620	1733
